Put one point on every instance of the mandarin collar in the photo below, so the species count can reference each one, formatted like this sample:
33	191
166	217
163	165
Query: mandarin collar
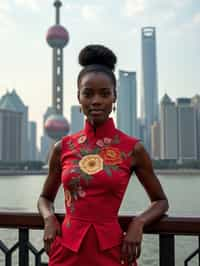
107	129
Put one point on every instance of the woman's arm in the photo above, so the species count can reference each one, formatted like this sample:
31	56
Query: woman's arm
145	173
159	204
46	199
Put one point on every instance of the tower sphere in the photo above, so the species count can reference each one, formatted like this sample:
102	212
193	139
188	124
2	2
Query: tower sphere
57	36
56	126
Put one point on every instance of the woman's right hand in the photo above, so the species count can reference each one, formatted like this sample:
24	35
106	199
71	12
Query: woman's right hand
52	228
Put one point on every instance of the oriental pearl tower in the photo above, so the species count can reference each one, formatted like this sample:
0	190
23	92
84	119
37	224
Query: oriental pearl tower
56	126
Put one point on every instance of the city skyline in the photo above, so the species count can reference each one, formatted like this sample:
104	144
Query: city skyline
26	57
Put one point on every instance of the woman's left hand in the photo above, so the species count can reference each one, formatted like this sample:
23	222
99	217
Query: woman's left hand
131	244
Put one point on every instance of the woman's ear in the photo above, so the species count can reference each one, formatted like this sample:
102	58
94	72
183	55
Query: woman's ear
78	96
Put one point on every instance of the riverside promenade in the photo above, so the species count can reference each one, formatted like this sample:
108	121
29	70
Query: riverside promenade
14	172
167	228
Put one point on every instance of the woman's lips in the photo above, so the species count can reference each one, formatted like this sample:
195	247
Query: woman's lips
96	112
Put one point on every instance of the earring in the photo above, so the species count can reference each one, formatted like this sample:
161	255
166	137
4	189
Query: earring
114	108
80	110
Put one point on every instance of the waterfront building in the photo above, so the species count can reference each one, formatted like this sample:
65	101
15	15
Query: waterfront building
196	104
77	119
168	129
12	102
187	130
127	102
149	83
10	134
45	141
32	139
155	140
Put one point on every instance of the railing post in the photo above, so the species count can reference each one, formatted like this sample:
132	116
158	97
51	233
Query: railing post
8	259
167	250
23	247
199	250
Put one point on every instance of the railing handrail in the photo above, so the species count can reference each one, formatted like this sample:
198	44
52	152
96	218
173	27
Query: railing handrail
166	225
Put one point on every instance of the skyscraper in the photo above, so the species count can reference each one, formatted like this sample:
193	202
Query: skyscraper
187	129
168	128
12	102
32	132
46	142
127	102
77	119
155	140
196	104
149	87
10	134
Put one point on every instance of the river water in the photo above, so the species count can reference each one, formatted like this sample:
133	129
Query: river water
22	192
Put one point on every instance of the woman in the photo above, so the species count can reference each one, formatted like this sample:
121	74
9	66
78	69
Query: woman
94	166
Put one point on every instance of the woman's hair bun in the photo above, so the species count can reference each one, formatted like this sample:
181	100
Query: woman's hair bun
98	55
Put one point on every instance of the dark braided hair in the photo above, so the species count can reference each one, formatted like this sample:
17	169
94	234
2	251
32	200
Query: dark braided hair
97	58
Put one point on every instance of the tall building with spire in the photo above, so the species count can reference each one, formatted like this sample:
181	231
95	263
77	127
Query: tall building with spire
57	38
55	125
149	83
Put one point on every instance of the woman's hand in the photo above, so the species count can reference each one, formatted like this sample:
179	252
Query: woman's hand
51	230
131	245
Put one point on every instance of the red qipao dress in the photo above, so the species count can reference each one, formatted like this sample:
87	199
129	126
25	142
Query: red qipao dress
96	167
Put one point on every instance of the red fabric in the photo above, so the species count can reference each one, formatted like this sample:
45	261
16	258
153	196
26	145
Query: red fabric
95	173
88	254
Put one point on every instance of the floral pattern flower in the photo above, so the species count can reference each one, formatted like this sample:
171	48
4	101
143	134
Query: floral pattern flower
100	143
68	198
107	141
82	139
111	155
91	164
81	192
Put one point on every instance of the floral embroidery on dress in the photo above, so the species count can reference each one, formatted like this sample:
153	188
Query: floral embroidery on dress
111	155
82	139
100	143
107	141
68	198
89	162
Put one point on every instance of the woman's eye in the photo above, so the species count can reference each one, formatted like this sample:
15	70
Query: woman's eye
87	94
106	93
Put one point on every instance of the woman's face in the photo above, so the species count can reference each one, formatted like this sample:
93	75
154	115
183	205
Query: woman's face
96	96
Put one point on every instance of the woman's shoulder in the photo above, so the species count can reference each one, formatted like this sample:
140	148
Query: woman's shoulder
127	138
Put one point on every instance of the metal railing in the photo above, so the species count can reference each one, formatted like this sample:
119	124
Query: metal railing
167	228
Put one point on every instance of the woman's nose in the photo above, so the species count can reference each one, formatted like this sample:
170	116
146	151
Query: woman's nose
97	99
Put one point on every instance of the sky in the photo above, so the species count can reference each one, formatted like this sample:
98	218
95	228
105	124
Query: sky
26	59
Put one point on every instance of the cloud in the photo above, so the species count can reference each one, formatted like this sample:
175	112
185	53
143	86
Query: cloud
90	13
134	7
34	5
7	24
6	20
4	6
196	19
180	3
72	6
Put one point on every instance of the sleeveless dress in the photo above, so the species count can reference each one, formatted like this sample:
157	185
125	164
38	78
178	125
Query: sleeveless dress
96	167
